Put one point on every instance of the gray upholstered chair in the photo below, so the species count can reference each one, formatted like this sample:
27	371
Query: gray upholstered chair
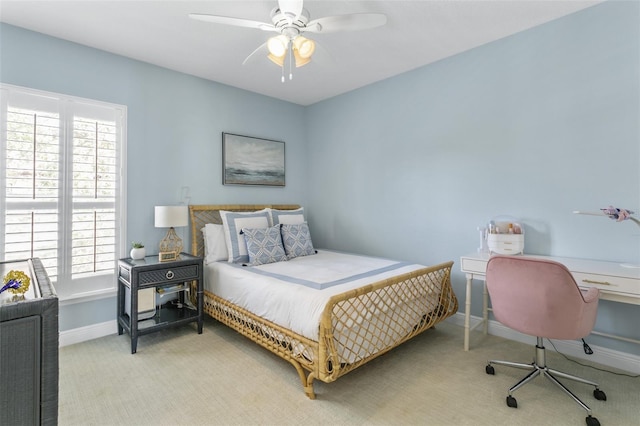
540	298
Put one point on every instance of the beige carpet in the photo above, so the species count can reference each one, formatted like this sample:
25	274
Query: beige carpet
181	378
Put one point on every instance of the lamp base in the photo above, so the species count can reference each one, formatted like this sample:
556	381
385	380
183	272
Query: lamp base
170	246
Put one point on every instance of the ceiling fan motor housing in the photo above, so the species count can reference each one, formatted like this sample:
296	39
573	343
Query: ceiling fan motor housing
288	24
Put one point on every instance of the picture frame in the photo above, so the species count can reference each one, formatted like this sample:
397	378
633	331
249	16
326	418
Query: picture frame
248	160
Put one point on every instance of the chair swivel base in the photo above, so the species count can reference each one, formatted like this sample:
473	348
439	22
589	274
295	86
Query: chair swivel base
538	367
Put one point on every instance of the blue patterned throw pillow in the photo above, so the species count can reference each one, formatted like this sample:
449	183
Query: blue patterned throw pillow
264	245
297	240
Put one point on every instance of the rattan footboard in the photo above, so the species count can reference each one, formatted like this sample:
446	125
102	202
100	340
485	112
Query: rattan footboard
355	327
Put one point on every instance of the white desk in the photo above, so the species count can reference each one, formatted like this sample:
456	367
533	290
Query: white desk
616	283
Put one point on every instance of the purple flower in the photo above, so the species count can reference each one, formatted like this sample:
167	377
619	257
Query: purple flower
617	214
11	284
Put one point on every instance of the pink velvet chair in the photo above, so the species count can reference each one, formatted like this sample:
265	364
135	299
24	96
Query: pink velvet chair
540	298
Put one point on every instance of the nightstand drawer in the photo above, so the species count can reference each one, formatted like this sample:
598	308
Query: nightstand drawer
183	273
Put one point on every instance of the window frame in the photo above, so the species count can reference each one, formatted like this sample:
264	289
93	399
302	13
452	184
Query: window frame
97	284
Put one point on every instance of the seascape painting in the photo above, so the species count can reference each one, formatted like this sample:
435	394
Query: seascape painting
252	161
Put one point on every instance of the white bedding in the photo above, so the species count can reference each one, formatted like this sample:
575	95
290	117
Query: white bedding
293	294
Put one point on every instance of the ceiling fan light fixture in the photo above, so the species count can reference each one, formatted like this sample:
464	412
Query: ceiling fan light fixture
278	60
304	46
277	45
290	20
300	61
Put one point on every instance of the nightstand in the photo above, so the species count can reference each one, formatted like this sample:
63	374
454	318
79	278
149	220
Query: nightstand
164	277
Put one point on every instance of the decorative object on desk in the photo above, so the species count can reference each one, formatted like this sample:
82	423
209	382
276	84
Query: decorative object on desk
17	282
619	215
137	251
505	235
252	161
614	213
170	217
484	248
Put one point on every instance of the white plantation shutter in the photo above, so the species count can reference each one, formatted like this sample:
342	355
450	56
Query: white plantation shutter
62	166
32	178
94	183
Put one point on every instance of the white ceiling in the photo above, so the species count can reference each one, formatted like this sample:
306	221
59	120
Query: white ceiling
417	33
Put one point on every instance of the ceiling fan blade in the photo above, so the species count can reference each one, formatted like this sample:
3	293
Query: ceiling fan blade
238	22
263	46
353	22
292	8
322	56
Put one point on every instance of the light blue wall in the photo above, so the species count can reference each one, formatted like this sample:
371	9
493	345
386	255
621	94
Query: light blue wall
175	122
535	126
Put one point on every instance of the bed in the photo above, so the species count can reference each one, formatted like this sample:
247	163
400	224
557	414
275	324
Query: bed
353	327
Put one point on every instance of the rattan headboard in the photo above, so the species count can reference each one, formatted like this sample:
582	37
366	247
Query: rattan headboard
200	215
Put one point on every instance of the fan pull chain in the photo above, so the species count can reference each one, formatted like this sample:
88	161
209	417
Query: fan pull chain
284	59
290	60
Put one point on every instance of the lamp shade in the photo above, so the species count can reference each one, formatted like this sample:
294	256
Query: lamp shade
278	45
278	60
171	216
304	46
300	61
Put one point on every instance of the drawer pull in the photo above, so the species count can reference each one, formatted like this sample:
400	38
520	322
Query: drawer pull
596	282
169	275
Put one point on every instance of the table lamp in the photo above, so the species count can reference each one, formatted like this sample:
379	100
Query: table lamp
170	217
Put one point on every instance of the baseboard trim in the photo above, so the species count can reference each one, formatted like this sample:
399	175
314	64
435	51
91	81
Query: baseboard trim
90	332
604	356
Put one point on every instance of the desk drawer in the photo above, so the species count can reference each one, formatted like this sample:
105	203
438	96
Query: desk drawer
473	266
607	283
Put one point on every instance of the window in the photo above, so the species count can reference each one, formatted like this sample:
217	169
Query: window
62	166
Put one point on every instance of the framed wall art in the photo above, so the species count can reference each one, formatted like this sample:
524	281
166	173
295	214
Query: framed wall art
252	161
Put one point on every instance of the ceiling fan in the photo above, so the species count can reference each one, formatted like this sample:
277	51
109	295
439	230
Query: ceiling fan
291	20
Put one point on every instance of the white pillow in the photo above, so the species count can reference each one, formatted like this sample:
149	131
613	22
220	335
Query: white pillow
232	223
215	245
287	217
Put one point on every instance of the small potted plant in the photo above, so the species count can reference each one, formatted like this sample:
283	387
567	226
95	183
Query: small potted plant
137	251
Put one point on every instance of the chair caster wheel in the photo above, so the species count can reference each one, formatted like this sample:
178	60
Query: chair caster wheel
511	402
599	395
592	421
490	370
